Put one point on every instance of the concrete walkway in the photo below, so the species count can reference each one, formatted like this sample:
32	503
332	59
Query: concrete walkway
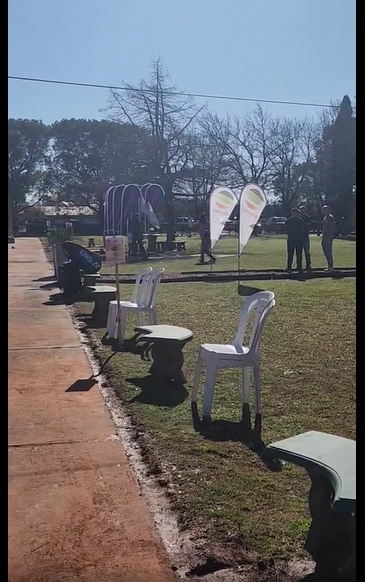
75	510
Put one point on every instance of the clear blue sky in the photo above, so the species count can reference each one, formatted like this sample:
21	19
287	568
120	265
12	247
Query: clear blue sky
297	50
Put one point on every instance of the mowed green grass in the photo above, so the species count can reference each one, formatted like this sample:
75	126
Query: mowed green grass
262	252
220	487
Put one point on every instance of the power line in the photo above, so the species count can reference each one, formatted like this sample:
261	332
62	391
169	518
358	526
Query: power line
177	93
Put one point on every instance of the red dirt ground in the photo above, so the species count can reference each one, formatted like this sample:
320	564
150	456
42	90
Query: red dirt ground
75	509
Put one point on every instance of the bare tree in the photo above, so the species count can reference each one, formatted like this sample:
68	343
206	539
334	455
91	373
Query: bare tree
167	116
207	171
293	159
249	144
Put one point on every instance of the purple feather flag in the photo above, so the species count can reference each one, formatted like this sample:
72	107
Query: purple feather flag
107	209
112	209
121	202
131	204
144	189
154	195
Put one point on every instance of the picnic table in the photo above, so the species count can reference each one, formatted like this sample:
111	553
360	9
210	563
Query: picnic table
165	344
330	462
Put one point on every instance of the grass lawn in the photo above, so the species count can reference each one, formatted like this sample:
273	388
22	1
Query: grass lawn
262	252
220	488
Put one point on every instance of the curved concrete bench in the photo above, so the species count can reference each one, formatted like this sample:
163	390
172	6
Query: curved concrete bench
330	462
165	343
102	295
331	457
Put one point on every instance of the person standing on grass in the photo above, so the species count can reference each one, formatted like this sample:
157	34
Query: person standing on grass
137	236
190	225
328	234
294	227
205	239
307	225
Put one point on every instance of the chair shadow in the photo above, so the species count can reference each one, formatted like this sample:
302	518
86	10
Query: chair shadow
60	299
129	346
52	285
44	279
158	393
225	430
82	385
89	321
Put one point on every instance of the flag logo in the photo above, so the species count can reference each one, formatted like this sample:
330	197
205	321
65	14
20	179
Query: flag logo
224	200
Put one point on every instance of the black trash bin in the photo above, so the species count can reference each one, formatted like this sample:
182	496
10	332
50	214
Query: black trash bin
71	278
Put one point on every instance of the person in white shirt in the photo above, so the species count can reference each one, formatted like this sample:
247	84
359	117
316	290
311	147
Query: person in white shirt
328	234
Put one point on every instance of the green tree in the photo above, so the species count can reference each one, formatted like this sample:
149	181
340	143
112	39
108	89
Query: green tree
340	138
28	158
90	155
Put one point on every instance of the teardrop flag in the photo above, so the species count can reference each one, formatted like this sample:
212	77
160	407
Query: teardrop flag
221	205
252	203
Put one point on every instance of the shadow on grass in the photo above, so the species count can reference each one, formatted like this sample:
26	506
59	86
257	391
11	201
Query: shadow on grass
157	393
129	346
152	391
225	430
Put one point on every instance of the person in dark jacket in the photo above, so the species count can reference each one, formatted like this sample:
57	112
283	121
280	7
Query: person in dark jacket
137	235
204	232
307	225
294	227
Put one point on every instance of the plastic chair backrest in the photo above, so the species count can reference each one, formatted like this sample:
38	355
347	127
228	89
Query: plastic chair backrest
154	279
261	303
140	284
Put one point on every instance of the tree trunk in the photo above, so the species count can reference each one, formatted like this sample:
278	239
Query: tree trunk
101	217
170	215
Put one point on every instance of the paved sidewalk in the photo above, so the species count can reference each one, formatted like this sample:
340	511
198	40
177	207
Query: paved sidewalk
75	510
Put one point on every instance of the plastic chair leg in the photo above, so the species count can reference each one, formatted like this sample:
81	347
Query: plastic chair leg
141	318
197	374
153	316
111	321
123	323
257	384
209	386
246	380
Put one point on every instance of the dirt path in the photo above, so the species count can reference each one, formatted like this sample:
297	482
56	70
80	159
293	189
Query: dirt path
75	510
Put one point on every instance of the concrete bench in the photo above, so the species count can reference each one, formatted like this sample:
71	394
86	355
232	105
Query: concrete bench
330	462
165	344
101	295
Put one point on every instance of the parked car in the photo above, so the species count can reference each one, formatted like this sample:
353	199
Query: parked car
258	229
231	226
275	224
182	225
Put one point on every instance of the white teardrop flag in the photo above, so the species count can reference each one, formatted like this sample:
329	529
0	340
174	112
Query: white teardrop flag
252	203
221	205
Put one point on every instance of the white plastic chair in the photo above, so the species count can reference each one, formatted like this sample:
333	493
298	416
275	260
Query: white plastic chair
138	295
236	355
146	303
